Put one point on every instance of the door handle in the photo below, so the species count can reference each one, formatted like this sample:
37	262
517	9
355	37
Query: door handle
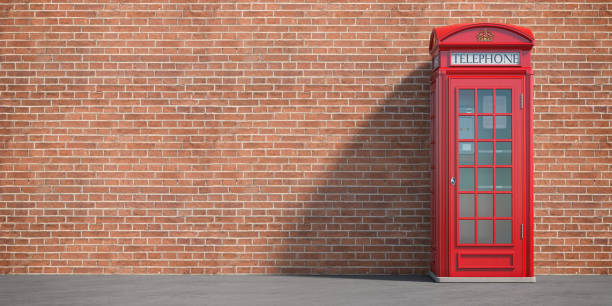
453	181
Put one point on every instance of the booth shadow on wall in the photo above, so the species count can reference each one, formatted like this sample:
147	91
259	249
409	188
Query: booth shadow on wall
370	214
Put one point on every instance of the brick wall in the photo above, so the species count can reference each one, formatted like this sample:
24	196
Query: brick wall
239	137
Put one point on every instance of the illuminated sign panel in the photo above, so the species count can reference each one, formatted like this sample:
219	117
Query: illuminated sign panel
485	58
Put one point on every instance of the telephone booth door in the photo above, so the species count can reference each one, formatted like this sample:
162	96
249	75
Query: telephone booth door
486	202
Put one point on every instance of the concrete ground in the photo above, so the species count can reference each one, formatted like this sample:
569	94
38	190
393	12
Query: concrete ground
295	290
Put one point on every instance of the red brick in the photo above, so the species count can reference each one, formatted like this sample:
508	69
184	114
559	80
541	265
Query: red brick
291	144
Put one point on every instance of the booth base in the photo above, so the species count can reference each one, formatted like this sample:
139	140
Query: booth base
439	279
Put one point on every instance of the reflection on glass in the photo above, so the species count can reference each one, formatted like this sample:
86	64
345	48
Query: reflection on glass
466	127
485	179
466	231
466	100
503	101
503	179
485	231
485	153
503	127
485	205
485	127
466	205
503	153
466	178
466	153
485	100
503	231
503	205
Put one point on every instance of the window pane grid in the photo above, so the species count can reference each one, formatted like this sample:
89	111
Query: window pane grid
481	192
495	222
476	221
484	218
486	114
484	166
484	140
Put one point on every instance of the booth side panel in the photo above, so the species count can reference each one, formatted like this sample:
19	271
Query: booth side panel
435	190
530	168
443	135
438	168
434	259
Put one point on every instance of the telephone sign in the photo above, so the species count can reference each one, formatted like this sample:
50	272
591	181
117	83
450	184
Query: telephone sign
485	58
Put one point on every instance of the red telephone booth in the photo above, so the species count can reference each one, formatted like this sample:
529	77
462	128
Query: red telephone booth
482	173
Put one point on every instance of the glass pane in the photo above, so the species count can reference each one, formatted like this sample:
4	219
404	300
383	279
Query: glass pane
503	178
485	127
485	231
466	100
503	101
466	205
503	231
466	127
466	231
485	153
503	127
485	179
503	205
485	100
466	153
466	178
503	153
485	205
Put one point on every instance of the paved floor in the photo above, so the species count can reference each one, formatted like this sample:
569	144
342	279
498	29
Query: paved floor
295	290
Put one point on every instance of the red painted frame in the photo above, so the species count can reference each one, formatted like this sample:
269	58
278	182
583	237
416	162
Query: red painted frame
461	38
456	249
